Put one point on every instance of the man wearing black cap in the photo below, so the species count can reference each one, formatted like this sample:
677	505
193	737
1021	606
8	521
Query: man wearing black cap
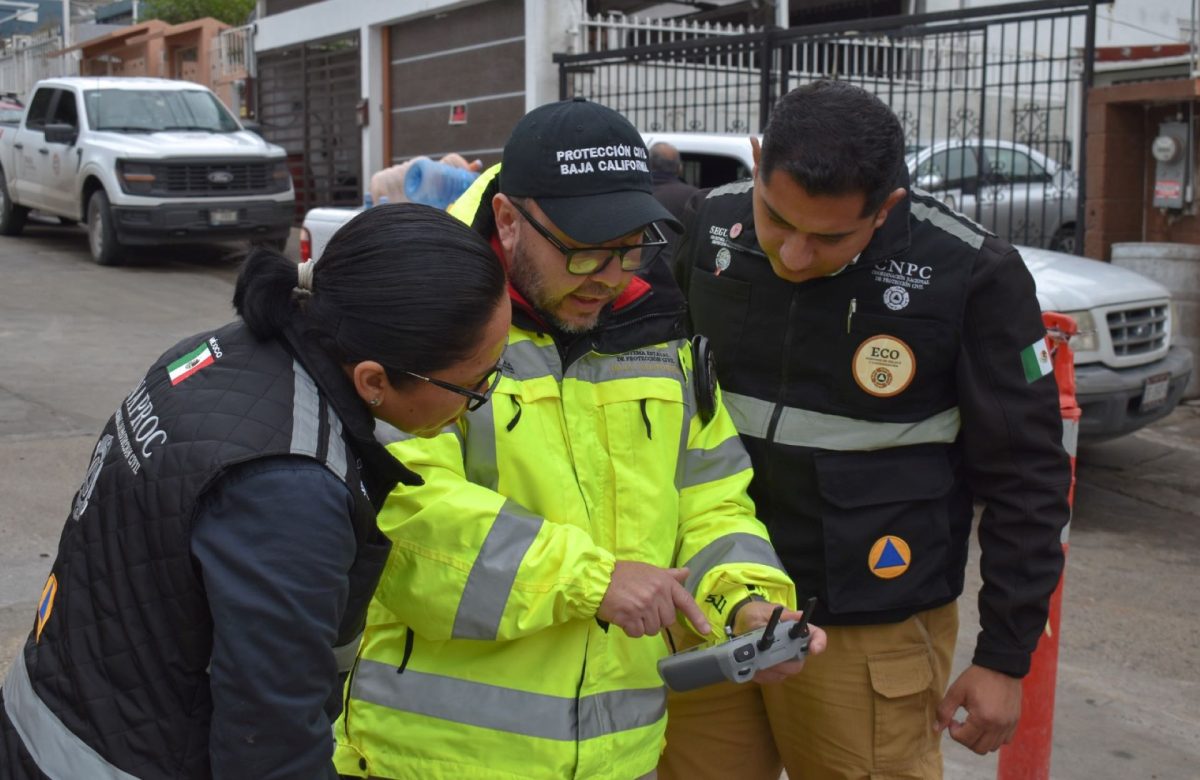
514	633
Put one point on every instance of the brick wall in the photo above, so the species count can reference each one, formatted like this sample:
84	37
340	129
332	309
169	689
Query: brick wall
1122	122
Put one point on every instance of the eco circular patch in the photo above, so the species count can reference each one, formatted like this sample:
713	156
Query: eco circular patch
884	366
889	557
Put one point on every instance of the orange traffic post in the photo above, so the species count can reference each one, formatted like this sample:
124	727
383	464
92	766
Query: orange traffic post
1027	757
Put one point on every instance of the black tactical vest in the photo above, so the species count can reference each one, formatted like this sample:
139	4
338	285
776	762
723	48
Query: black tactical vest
123	636
843	388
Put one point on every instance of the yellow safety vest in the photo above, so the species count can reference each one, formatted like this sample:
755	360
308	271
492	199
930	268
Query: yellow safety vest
483	655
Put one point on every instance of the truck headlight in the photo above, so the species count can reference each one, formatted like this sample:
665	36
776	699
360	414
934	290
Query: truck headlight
281	176
1087	339
136	178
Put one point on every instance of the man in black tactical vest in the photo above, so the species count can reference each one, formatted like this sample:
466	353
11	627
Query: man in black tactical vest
884	360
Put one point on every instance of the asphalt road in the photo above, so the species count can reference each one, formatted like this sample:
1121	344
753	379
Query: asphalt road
75	337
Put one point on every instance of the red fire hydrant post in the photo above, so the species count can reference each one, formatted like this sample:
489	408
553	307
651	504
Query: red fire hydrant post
1027	757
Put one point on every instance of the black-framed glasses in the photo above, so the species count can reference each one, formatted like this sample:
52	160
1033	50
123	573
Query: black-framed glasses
588	260
475	398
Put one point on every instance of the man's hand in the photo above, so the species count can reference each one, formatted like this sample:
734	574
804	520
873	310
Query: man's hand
754	615
642	599
993	704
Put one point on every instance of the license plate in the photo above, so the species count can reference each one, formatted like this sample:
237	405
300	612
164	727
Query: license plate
1154	393
222	217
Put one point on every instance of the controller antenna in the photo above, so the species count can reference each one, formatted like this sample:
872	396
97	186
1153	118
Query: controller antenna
801	627
768	637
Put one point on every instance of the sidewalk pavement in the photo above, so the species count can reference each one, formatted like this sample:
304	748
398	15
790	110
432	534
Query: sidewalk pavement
1127	701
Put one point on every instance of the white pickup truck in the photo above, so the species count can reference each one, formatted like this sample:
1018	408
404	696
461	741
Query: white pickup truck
1127	373
142	162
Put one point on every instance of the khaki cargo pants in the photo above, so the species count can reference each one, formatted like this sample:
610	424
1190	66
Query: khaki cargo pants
862	710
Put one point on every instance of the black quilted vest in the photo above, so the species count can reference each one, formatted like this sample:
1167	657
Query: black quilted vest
122	656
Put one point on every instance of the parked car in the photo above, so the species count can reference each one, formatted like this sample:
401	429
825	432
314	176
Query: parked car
11	108
142	161
1128	374
1014	191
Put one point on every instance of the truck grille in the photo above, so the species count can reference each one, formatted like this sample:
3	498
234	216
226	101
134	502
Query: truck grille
1138	331
214	178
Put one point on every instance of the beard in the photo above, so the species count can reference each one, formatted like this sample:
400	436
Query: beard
528	279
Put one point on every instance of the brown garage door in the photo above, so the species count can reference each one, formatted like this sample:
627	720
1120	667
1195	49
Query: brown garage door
473	56
307	103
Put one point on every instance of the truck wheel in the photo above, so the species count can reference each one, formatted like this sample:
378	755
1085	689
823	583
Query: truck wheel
12	216
102	238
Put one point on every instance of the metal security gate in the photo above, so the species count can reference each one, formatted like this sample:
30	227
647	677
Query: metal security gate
992	100
307	103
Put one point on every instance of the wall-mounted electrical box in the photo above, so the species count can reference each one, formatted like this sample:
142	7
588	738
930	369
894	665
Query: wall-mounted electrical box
1172	179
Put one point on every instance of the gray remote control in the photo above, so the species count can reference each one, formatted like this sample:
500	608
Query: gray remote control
739	658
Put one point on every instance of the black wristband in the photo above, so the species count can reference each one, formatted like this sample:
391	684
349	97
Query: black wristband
729	621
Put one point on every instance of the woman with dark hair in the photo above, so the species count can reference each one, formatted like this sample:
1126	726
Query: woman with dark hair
213	575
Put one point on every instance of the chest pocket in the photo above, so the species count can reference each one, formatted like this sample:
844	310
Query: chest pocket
720	307
886	527
639	435
894	367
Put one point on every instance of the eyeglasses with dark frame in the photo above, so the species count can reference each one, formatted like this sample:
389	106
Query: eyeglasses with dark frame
588	260
476	398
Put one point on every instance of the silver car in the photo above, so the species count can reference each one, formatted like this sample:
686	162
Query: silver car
1014	191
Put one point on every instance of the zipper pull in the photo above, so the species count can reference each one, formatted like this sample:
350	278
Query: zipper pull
850	313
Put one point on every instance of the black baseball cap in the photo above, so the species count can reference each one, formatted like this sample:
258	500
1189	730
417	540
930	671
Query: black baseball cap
587	168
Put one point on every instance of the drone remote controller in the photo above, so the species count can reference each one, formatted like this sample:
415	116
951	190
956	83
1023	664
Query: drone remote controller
741	657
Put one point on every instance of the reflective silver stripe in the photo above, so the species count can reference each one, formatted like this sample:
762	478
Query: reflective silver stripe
479	450
804	428
751	416
526	360
491	578
1070	436
306	404
335	453
505	709
605	713
946	222
636	364
386	433
733	188
727	458
344	654
56	750
731	548
930	197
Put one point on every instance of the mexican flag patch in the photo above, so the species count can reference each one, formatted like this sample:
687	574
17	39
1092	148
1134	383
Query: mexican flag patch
190	363
1035	359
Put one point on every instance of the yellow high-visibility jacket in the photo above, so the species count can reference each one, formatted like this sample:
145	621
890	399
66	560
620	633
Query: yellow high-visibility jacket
483	656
